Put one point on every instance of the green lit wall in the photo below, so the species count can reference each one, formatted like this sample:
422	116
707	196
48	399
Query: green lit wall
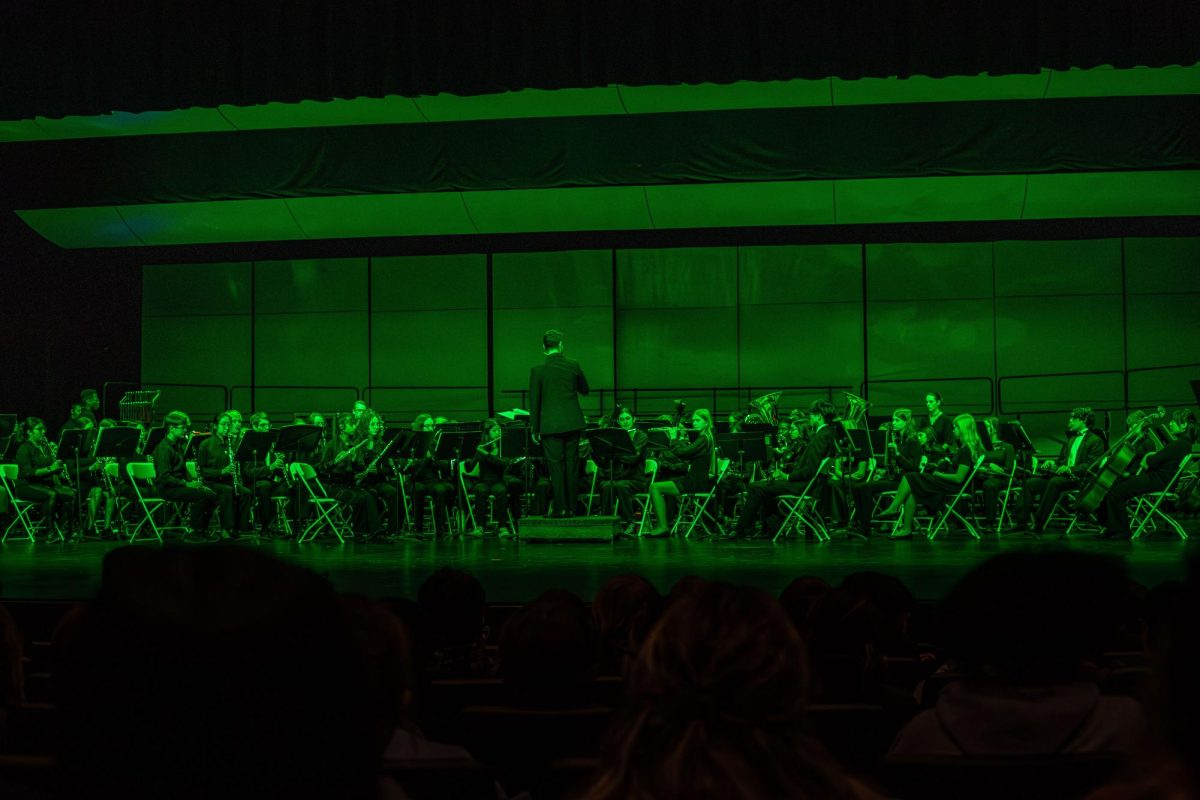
412	333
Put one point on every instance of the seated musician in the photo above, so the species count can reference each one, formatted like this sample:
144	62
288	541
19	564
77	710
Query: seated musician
490	471
997	466
172	481
373	476
430	478
1078	453
265	476
629	472
99	488
761	497
216	461
340	465
40	474
700	457
1160	467
851	468
931	490
903	455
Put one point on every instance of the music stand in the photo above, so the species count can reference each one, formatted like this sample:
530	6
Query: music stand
117	443
296	439
255	442
153	438
984	437
878	441
750	447
610	445
71	446
193	446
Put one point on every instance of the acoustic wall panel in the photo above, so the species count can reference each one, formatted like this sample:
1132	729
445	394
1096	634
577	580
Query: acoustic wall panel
934	338
570	291
433	348
564	279
1162	265
676	347
291	287
1091	266
806	274
1038	335
318	349
172	290
917	272
801	345
1163	329
689	277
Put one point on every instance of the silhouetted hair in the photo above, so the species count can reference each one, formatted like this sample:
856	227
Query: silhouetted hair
455	602
824	409
218	672
547	650
716	708
1030	618
551	339
623	611
799	596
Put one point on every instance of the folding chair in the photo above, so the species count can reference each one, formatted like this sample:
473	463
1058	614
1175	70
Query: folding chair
1149	505
641	500
802	509
694	507
327	511
463	474
143	475
20	508
951	508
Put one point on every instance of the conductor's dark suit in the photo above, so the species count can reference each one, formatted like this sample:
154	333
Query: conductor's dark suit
554	414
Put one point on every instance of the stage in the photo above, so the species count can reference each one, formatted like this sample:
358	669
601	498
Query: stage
513	571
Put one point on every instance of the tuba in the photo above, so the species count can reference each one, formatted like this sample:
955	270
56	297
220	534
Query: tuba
765	407
855	413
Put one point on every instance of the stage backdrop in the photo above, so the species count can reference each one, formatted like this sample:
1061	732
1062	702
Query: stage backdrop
994	326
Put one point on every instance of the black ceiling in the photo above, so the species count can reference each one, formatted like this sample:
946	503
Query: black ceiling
60	59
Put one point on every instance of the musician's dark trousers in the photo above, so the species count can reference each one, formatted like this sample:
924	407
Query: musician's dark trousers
543	493
228	505
505	493
992	488
1050	490
442	493
864	494
201	501
387	496
562	457
264	512
762	501
623	492
1113	514
364	514
57	502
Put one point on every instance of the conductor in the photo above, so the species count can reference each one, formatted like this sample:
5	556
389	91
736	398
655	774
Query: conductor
556	419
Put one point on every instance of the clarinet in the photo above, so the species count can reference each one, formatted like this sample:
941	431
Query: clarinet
62	477
236	475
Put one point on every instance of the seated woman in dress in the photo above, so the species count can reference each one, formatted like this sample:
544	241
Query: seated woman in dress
931	490
700	456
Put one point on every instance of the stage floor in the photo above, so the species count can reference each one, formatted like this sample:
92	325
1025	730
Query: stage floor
514	572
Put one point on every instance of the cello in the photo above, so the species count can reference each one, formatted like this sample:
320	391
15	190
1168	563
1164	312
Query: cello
1113	464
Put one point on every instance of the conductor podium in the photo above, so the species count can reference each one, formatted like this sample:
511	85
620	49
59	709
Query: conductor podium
569	529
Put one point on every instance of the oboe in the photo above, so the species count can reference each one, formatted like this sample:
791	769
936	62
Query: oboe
236	473
62	477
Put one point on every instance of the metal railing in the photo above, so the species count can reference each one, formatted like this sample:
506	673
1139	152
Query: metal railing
741	395
956	404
